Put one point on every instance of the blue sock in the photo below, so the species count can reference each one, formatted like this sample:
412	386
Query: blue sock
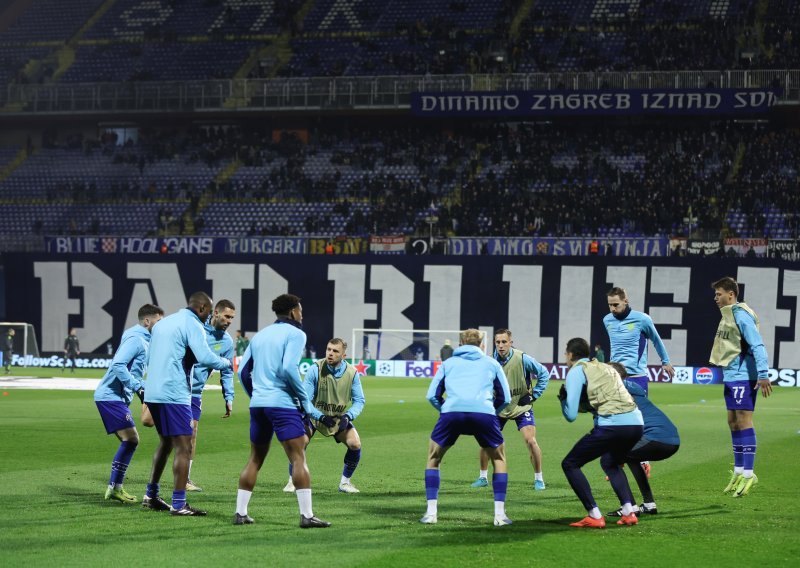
178	499
500	486
351	459
291	469
748	441
431	484
152	490
121	461
738	458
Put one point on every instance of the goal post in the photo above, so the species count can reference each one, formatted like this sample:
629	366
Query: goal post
403	344
24	340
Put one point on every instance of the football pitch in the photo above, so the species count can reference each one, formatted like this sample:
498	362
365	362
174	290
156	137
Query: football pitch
55	459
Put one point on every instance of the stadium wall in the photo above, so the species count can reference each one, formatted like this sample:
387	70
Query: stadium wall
544	300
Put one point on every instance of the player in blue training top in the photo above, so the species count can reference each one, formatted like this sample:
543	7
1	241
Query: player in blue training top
476	390
270	375
628	332
333	385
739	350
178	343
221	343
519	369
618	425
114	394
659	442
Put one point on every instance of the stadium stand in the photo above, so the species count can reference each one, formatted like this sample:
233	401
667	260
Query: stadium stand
638	178
176	39
481	180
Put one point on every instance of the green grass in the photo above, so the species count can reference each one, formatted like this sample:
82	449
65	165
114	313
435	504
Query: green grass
55	457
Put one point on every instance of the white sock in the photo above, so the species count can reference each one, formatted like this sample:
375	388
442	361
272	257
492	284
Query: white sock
538	476
344	480
748	473
304	501
627	509
484	473
242	499
433	507
739	470
499	508
649	505
595	513
290	480
189	474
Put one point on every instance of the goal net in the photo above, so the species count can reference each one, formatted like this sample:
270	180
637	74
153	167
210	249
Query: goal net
402	344
23	339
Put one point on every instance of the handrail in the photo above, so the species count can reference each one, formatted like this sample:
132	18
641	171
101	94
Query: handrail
377	93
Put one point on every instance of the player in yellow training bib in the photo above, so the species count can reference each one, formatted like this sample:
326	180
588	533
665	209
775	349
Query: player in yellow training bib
520	369
332	385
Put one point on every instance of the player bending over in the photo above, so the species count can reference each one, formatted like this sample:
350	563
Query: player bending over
476	390
333	384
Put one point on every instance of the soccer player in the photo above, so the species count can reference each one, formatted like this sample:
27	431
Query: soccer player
739	350
333	384
178	342
221	343
8	349
518	368
114	394
659	442
628	332
72	348
270	374
476	390
617	428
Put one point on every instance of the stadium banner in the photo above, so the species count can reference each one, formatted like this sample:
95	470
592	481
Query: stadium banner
594	103
395	244
341	245
55	360
177	245
785	249
544	300
743	246
262	245
552	246
707	375
703	248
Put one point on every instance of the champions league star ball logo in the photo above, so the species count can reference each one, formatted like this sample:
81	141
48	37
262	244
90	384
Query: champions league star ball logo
682	376
385	368
704	376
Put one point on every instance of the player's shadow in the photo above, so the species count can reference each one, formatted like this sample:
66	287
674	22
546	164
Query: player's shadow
698	512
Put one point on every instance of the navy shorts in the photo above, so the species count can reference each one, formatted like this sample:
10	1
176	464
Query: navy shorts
741	395
115	414
197	407
285	423
311	429
171	419
616	441
484	427
643	382
523	420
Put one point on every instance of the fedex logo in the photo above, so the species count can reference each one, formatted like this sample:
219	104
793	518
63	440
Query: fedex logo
421	368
